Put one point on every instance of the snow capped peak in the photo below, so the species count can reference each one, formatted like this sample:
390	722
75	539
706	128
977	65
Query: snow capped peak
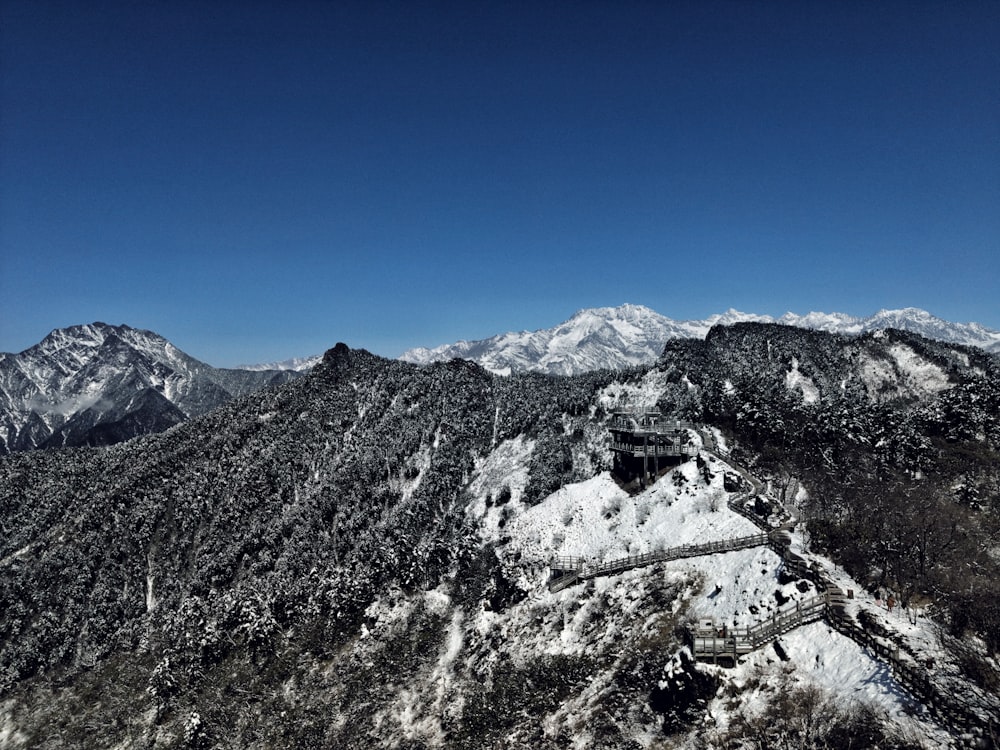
83	376
593	338
629	335
93	335
295	364
627	313
904	315
733	315
90	335
820	321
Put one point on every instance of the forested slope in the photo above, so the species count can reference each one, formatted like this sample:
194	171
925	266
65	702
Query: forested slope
325	563
267	526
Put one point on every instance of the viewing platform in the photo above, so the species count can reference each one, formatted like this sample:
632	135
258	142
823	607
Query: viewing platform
641	439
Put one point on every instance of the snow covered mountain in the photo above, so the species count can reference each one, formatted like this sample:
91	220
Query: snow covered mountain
910	319
361	558
629	335
297	364
605	337
98	384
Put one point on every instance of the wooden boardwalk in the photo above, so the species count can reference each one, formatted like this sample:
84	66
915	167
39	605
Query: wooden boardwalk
731	643
968	716
570	570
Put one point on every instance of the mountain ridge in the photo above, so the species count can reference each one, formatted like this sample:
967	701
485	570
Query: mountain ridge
97	384
630	335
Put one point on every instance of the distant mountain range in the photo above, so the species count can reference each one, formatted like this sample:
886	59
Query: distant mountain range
297	364
629	335
99	384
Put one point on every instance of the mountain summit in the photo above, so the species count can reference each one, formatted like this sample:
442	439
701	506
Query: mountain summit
630	335
98	384
603	337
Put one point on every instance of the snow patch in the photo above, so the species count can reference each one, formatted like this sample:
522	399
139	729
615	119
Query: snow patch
641	395
919	373
597	520
10	737
498	485
819	656
877	375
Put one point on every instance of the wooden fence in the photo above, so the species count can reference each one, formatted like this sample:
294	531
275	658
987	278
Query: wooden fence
732	643
974	719
577	569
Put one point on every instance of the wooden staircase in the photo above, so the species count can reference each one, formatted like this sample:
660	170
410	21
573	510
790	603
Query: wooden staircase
709	643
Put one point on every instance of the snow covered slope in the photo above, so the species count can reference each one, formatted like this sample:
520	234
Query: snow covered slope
910	319
360	558
99	384
629	335
604	618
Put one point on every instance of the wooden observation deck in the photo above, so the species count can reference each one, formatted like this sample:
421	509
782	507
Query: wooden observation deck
640	440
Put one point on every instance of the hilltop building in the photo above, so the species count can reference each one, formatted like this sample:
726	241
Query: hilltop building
644	442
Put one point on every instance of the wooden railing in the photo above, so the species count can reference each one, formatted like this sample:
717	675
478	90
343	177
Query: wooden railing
735	642
964	713
656	449
581	570
737	505
641	423
964	710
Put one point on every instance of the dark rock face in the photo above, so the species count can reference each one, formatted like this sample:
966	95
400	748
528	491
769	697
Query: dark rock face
682	694
146	412
99	384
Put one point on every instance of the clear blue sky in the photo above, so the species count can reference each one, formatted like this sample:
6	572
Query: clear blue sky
259	180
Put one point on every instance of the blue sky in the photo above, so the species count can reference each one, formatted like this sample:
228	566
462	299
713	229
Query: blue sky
260	180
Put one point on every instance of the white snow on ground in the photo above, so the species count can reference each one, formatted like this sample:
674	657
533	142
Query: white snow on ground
905	374
740	587
878	376
420	705
920	374
821	657
836	663
598	520
912	631
16	554
9	736
721	446
796	380
504	469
